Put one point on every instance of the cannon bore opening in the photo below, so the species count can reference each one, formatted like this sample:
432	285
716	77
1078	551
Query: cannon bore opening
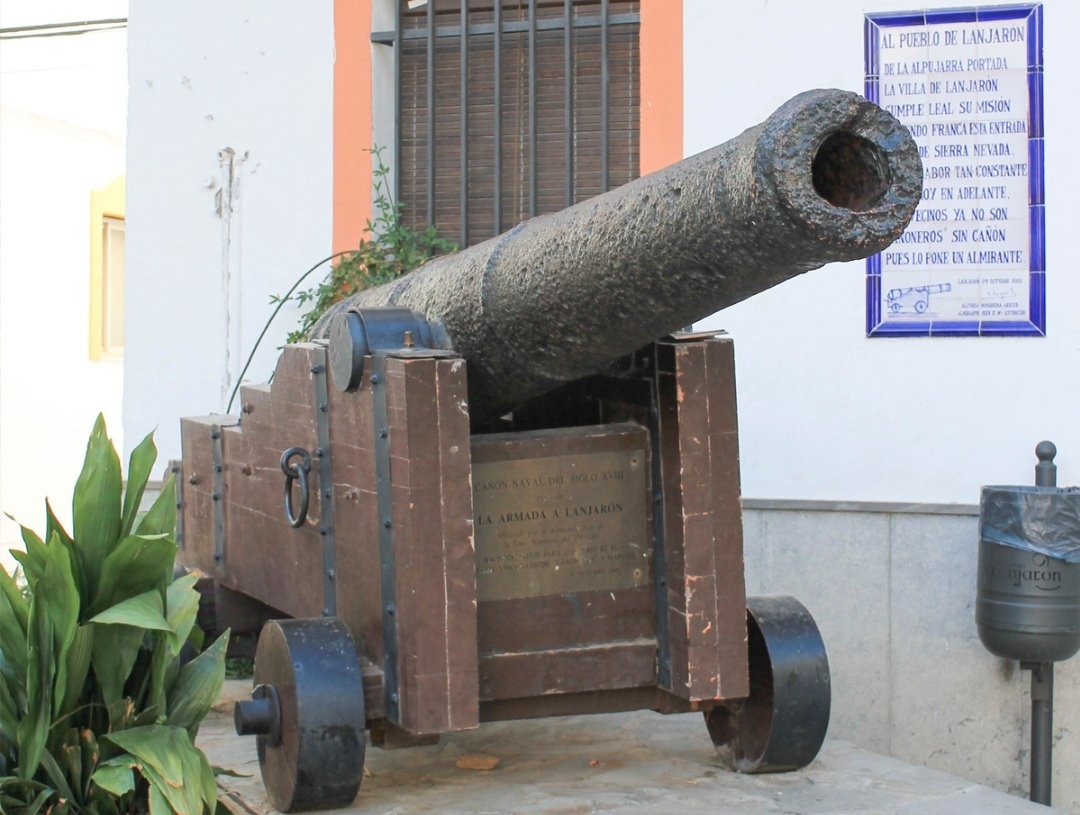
850	172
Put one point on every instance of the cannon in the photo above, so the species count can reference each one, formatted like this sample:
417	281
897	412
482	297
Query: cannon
507	485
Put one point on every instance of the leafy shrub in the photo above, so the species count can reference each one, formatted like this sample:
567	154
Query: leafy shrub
391	250
97	713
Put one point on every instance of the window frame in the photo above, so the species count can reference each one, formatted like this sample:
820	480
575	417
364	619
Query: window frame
574	17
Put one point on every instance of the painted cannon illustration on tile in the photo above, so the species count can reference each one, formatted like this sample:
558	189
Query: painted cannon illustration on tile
914	299
507	484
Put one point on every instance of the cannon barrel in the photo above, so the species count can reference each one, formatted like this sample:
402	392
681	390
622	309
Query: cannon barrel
828	177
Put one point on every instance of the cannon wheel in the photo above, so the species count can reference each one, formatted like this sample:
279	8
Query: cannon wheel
782	724
307	711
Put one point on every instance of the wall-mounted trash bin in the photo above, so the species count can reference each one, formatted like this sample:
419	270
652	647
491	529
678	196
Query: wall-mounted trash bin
1028	601
1027	605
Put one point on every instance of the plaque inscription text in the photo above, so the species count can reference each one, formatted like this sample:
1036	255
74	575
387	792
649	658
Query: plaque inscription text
559	524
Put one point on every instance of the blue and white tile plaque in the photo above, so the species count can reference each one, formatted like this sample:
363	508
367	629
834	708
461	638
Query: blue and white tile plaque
968	83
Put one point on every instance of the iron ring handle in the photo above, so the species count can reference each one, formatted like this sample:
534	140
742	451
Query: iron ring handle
296	472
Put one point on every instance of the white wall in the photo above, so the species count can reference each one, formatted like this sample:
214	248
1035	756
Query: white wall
255	78
824	412
62	113
893	594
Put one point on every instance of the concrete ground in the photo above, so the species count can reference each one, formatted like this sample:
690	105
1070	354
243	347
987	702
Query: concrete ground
639	763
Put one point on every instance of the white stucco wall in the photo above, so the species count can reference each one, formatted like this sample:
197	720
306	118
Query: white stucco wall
62	114
253	78
824	412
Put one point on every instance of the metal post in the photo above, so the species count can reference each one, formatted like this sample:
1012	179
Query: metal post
534	162
463	204
398	23
498	117
605	116
431	220
1042	673
568	97
1042	730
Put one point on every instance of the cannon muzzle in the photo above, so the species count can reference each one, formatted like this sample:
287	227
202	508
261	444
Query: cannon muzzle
828	177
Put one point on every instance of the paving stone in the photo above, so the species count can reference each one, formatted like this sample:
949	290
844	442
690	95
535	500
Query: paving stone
639	763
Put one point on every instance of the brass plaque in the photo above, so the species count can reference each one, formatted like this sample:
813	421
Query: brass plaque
561	524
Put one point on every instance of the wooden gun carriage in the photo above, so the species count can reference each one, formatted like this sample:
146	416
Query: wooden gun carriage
502	488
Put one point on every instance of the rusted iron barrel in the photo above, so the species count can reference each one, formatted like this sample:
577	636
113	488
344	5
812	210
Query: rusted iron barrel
828	177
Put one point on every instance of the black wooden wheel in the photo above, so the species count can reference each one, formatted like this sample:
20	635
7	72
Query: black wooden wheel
307	711
782	724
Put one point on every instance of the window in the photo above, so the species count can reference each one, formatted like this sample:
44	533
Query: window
107	271
112	282
535	109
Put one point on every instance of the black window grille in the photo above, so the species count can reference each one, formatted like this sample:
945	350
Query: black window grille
534	108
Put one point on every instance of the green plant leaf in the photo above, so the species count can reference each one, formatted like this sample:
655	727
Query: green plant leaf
182	604
209	782
91	755
198	687
141	611
18	603
159	669
78	666
105	804
115	775
26	805
54	527
139	466
95	505
72	766
33	559
160	519
34	727
13	621
137	564
61	599
112	656
172	764
56	775
225	771
159	802
9	713
122	714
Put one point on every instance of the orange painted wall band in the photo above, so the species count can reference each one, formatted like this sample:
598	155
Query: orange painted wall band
352	122
661	42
